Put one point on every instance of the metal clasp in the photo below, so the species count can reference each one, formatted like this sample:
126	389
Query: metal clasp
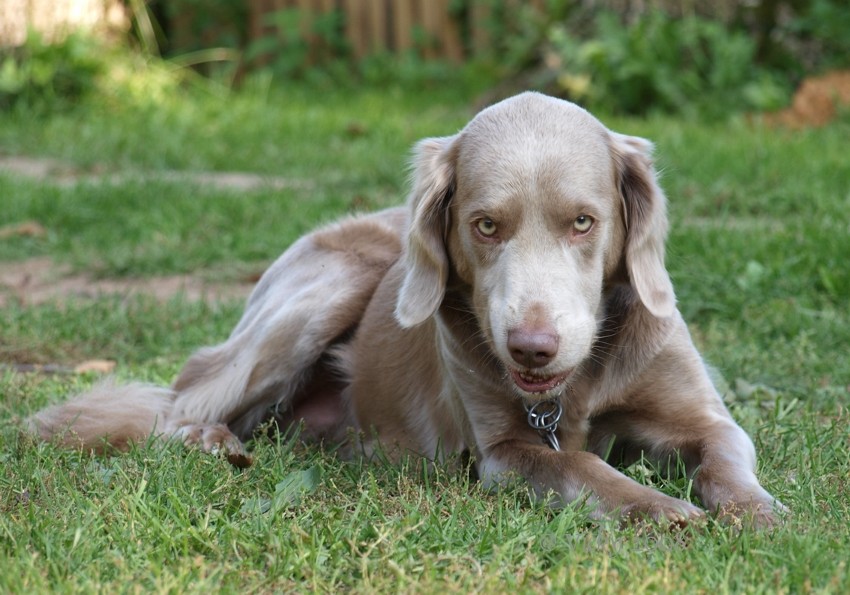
544	416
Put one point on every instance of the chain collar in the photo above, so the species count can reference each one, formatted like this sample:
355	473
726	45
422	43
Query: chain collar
544	416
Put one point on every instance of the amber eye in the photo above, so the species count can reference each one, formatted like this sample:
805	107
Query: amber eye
583	223
486	227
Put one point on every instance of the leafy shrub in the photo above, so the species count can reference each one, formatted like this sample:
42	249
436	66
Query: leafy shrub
288	51
192	25
49	76
660	63
704	59
818	35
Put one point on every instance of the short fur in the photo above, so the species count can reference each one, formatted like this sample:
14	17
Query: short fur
529	265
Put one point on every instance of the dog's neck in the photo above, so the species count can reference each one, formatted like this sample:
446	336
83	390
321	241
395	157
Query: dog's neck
457	318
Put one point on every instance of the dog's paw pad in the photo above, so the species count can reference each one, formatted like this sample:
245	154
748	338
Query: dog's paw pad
757	514
215	439
673	513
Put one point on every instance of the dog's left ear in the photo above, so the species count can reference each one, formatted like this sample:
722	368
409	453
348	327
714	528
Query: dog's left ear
645	214
427	264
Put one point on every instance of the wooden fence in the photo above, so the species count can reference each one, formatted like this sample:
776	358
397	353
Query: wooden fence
446	29
371	26
432	27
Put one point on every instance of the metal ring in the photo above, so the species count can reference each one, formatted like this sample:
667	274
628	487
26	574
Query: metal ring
547	419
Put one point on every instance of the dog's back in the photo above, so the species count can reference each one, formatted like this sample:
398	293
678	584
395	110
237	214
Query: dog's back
273	363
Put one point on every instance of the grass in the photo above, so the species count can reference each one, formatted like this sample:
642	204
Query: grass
757	252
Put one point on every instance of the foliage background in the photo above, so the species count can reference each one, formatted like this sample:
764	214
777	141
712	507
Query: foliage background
615	55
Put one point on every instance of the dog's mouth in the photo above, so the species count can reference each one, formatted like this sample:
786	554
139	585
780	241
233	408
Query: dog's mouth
529	381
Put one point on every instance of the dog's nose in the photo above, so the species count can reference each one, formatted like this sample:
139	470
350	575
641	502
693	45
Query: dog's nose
532	348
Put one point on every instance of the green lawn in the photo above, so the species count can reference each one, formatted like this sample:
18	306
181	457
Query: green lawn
758	253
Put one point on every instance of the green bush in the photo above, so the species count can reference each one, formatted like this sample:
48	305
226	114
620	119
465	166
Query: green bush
697	60
287	53
818	35
49	76
659	63
651	61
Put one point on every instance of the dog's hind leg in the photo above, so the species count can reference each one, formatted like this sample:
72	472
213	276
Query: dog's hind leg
308	301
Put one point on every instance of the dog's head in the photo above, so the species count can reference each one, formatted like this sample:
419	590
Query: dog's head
537	207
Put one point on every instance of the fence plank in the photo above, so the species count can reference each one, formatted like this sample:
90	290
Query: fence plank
479	26
451	46
305	20
377	25
403	24
429	23
354	27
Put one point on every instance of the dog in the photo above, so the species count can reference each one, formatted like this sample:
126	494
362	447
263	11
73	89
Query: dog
518	309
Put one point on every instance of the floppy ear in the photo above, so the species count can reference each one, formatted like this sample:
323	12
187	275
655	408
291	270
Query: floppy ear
645	214
427	265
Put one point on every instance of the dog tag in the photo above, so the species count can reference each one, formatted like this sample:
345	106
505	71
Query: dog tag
544	416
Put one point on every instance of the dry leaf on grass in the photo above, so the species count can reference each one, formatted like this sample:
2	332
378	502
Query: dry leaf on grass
32	229
94	366
99	366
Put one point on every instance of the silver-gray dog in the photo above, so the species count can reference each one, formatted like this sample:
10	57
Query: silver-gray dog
518	308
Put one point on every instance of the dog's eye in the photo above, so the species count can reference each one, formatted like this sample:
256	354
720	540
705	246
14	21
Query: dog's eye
583	223
486	228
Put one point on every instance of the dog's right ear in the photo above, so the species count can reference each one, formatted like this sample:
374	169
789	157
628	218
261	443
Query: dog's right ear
426	260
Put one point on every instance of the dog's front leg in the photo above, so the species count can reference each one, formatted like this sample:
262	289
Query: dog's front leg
717	453
575	475
725	479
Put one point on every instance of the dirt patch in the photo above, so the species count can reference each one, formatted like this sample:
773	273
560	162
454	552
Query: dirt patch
64	174
816	102
39	280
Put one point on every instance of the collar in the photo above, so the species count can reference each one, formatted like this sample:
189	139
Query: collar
543	416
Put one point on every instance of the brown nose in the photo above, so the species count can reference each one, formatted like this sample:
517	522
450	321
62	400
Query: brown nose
532	348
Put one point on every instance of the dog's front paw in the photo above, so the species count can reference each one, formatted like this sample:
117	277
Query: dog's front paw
758	512
214	438
663	510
